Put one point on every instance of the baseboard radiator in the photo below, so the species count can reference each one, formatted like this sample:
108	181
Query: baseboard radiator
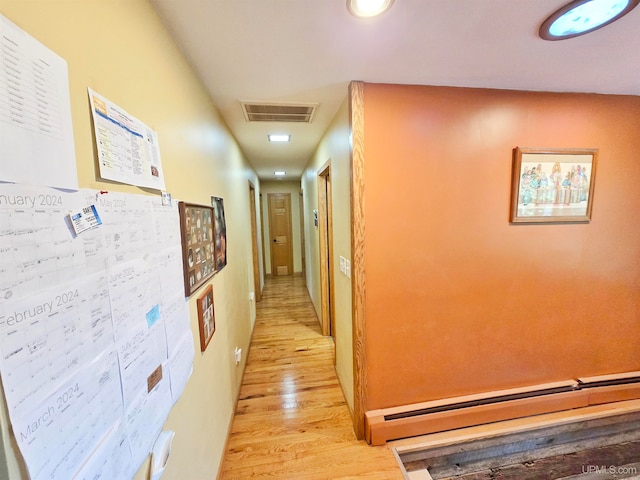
458	412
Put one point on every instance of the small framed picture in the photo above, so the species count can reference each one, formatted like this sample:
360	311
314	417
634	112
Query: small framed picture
197	239
552	185
218	230
206	317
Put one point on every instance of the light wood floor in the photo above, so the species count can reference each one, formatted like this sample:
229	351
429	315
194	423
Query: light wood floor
292	421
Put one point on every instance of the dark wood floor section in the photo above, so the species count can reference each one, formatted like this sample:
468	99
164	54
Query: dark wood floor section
292	421
605	463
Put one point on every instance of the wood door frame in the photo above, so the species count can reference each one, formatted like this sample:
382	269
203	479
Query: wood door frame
325	231
262	237
289	232
303	256
254	242
358	290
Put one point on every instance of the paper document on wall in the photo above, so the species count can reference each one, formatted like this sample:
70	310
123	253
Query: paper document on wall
58	434
112	458
36	133
36	245
48	337
181	365
138	331
128	150
145	416
128	225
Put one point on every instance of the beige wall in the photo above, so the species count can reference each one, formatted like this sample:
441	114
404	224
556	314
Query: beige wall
335	147
293	188
120	49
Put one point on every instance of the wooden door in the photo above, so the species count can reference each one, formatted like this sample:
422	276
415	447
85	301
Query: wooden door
280	233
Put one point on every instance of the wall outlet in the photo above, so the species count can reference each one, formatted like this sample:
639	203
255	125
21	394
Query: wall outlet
343	263
238	354
347	269
252	296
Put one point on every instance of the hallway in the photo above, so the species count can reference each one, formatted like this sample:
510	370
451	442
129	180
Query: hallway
292	421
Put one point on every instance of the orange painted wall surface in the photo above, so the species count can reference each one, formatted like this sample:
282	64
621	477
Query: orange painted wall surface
458	301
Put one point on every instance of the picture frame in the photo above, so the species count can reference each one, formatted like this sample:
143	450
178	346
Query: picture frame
553	185
197	229
220	233
206	317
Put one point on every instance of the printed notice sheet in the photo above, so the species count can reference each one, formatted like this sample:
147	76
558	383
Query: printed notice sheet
36	134
128	150
95	338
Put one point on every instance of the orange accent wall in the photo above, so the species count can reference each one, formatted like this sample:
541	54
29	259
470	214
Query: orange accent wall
458	300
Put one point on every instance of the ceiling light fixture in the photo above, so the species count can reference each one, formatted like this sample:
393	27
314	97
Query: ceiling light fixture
280	173
584	16
279	138
368	8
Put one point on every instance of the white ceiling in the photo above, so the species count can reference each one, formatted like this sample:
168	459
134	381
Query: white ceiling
307	51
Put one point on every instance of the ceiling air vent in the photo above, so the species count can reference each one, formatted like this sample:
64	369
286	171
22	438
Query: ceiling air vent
278	112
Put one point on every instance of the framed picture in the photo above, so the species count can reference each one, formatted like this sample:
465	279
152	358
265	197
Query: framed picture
221	233
206	317
198	239
552	185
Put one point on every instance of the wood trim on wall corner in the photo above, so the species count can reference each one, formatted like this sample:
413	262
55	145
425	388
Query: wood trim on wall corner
358	291
254	242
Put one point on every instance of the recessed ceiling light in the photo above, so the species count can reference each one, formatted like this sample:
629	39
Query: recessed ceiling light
281	173
368	8
279	138
584	16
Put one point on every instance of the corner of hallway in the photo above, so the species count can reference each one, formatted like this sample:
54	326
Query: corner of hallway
291	420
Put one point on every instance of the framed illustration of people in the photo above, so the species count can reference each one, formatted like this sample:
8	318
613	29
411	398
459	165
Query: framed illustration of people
552	185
